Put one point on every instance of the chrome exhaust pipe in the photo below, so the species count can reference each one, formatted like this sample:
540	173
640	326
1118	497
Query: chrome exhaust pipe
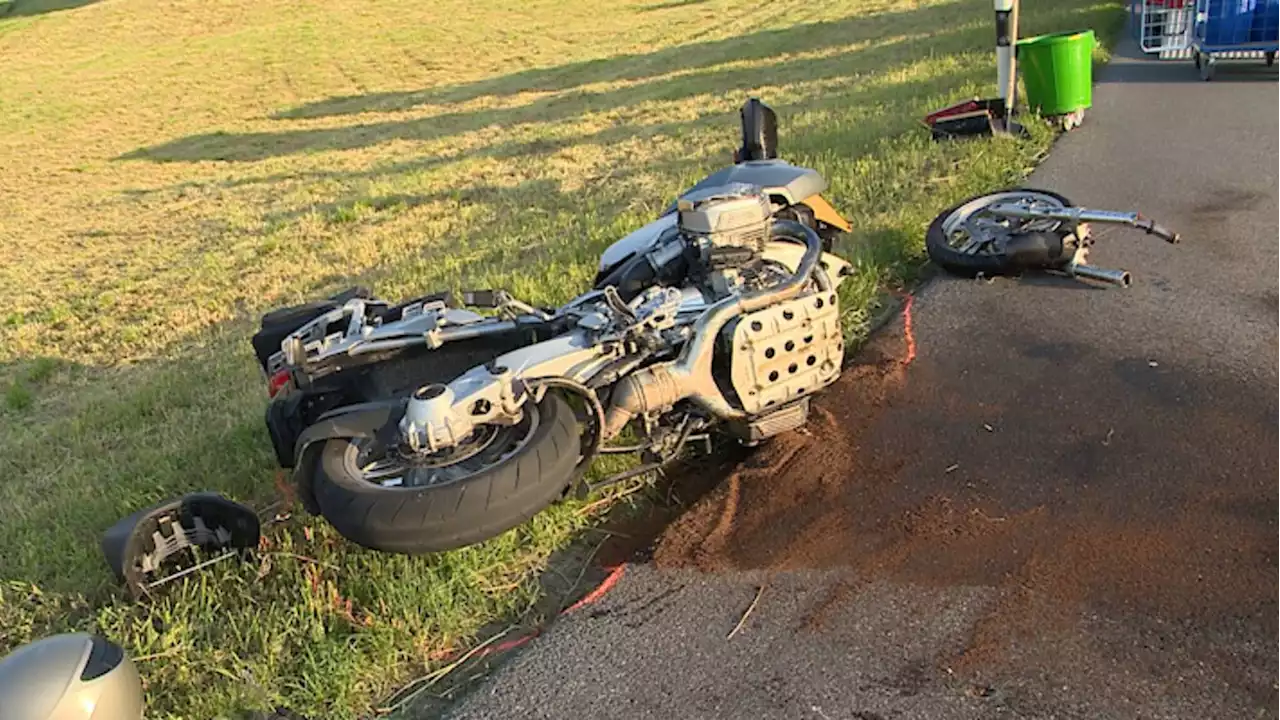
1120	278
689	376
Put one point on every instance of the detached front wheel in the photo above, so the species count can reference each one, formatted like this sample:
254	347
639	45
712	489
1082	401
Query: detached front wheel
384	498
969	240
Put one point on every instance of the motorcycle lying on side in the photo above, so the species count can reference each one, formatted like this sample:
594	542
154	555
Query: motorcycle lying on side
426	425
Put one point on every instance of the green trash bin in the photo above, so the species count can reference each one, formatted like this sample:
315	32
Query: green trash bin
1057	70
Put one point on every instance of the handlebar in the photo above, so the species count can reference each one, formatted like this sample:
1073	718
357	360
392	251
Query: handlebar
1076	214
1152	228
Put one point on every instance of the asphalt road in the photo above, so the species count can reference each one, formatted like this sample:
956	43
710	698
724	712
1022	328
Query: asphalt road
1127	440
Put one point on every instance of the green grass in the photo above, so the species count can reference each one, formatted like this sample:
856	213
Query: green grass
17	396
171	170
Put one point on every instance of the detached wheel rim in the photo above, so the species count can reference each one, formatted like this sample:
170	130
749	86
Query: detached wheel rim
397	467
972	230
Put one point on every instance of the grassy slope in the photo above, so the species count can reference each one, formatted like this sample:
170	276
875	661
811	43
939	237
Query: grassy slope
171	168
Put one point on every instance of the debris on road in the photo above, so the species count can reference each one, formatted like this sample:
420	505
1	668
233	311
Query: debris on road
742	620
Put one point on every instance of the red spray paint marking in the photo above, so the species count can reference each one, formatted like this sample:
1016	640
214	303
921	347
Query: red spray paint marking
907	332
508	645
610	580
601	589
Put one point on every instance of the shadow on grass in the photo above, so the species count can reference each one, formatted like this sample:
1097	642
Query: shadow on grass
876	47
756	46
872	60
670	5
892	101
28	8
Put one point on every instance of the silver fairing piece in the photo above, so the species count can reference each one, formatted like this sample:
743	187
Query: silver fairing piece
776	178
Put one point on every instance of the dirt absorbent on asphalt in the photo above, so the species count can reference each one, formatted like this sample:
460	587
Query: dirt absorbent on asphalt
833	497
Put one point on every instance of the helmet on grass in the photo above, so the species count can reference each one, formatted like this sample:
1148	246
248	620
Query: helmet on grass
70	677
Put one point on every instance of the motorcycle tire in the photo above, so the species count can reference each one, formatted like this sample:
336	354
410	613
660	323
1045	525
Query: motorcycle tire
435	518
958	263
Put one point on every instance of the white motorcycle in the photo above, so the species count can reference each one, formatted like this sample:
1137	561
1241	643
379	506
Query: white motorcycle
426	426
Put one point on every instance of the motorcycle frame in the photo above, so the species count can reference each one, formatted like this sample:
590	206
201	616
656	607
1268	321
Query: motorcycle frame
574	357
438	416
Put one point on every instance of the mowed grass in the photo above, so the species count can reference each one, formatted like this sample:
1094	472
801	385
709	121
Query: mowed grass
169	169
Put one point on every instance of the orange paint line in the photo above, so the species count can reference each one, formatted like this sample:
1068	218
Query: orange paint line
601	589
907	331
511	644
610	580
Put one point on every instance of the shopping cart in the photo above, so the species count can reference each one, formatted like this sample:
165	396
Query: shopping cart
1164	26
1235	29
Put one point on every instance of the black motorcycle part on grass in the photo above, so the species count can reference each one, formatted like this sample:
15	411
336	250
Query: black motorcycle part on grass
759	132
804	215
1028	251
284	424
436	518
140	544
637	273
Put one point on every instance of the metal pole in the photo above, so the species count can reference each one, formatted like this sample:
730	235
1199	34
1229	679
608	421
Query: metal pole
1006	61
1011	95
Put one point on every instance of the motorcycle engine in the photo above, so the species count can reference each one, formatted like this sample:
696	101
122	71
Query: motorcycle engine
726	229
768	362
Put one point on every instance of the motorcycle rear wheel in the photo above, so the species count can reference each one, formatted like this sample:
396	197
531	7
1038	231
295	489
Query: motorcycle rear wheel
505	477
